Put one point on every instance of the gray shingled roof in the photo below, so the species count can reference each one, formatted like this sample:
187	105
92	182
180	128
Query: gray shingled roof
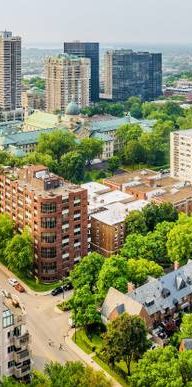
187	343
165	291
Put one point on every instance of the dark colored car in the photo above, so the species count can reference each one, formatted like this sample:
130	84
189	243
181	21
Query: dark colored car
68	286
57	291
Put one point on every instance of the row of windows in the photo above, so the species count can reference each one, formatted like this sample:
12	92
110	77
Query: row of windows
48	237
48	252
48	222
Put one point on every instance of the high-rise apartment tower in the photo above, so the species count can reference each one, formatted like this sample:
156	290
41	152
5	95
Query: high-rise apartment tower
67	79
10	71
128	73
88	50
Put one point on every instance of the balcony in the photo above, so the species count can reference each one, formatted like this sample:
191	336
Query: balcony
22	355
22	371
22	340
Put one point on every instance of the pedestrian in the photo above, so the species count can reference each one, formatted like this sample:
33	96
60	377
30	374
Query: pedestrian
60	347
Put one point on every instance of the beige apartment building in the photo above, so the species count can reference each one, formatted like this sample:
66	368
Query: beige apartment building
10	71
67	79
181	154
15	353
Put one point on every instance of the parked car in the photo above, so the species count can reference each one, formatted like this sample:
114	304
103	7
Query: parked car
57	291
19	288
68	286
12	281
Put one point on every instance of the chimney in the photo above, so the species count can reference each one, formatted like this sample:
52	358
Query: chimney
130	287
176	265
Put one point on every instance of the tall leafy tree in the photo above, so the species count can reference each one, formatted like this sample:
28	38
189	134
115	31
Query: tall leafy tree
113	164
90	148
128	132
87	271
84	307
113	273
125	339
155	213
135	223
139	269
72	166
179	242
6	232
163	367
56	143
19	252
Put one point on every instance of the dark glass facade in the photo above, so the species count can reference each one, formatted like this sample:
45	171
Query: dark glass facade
136	74
91	51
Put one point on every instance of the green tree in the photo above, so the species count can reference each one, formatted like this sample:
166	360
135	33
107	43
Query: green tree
186	327
19	252
132	101
133	153
72	166
140	269
156	243
90	148
154	214
113	273
40	158
73	374
6	232
128	132
135	223
159	367
134	246
56	143
87	271
155	150
125	339
148	108
84	307
173	109
113	163
179	242
136	111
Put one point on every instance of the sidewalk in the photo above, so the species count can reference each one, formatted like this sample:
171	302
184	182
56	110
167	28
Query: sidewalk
88	358
9	274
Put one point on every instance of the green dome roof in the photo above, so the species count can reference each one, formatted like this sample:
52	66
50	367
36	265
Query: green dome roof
72	109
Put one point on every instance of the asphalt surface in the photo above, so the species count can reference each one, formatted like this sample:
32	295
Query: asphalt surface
46	324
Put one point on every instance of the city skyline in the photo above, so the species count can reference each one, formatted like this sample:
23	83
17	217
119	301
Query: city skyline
148	21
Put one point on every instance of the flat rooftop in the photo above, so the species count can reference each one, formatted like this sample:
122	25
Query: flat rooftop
97	201
176	195
185	132
40	176
126	177
117	212
94	187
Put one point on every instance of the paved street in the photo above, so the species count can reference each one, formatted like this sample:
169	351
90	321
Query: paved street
45	322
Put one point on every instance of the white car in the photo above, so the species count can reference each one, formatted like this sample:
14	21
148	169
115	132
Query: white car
12	281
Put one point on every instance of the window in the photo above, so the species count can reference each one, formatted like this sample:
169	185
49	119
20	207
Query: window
48	252
10	349
48	207
11	363
48	222
8	319
48	237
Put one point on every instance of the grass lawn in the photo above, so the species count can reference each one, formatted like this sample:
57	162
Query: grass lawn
82	341
110	371
92	343
37	286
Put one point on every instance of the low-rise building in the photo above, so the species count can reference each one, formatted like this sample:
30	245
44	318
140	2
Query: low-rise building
54	210
185	345
15	353
157	300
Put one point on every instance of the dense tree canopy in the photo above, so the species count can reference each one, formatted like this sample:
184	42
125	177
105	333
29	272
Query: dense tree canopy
6	232
135	223
19	252
56	143
87	271
90	148
139	269
84	307
163	367
113	163
179	243
113	273
125	339
72	166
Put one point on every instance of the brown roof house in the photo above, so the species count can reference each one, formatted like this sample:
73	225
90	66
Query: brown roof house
117	303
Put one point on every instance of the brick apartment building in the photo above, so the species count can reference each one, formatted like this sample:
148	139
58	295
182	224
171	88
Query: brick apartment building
55	212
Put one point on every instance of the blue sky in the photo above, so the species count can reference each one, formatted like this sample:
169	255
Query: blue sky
150	21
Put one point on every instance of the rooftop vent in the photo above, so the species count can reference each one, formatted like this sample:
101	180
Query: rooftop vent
165	292
179	282
149	302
